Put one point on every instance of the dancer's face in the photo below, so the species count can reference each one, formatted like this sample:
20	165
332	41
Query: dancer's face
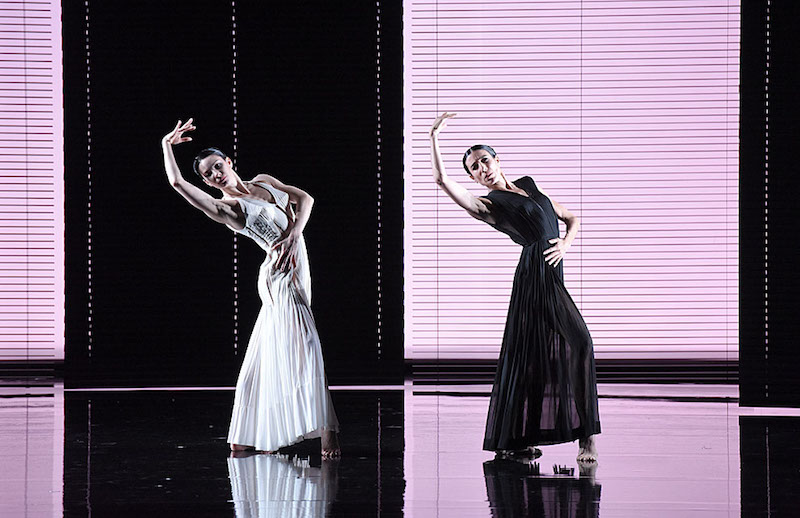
484	168
217	171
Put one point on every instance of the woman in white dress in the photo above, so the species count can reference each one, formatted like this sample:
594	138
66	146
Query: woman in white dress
282	395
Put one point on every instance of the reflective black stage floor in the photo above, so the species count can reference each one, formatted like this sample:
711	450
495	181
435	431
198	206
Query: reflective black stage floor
676	451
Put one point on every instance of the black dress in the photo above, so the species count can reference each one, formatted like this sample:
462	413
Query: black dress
545	388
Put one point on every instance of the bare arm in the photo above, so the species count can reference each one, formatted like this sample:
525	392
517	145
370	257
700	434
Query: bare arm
569	218
221	211
303	202
555	254
476	207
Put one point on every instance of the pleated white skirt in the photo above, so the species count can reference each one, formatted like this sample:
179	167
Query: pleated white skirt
282	394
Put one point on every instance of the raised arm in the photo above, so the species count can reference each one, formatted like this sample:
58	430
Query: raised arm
221	211
475	207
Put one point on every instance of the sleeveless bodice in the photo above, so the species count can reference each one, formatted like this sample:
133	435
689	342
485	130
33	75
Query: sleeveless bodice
526	220
265	222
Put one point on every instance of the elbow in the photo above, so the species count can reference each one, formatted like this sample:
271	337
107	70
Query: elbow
304	203
176	182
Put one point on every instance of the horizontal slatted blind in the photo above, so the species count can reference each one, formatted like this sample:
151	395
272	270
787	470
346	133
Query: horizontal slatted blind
624	111
31	182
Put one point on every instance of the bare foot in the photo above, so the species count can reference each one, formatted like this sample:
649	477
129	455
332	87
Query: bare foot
330	445
243	454
587	451
241	450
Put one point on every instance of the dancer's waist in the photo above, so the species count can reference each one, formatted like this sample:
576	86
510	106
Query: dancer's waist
543	242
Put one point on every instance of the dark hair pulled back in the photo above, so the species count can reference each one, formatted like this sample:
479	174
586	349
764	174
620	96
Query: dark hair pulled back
476	147
204	154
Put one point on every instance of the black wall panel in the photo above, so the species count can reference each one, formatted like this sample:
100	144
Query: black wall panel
150	281
769	190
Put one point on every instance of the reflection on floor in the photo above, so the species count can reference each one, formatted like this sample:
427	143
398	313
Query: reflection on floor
282	485
522	489
408	451
31	448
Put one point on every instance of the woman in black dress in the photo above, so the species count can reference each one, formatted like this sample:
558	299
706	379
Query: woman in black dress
545	389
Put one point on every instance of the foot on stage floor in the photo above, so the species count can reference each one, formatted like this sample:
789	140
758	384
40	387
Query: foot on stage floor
587	451
330	445
242	451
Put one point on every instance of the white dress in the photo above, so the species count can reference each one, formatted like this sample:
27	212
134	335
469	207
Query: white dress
282	395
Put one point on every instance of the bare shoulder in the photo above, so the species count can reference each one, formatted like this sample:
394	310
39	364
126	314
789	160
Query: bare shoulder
274	182
295	193
265	178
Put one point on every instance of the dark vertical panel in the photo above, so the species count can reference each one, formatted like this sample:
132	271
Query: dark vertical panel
769	467
307	113
769	247
308	116
160	272
75	188
392	151
751	200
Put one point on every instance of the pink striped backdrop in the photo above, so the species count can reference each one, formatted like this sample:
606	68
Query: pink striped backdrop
31	182
627	113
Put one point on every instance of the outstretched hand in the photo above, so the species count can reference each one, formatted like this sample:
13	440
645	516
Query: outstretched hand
176	135
440	123
555	254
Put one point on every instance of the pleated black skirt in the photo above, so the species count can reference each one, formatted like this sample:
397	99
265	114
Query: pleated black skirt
545	387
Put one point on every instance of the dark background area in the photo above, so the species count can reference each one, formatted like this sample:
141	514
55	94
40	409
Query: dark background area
769	313
769	447
162	274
